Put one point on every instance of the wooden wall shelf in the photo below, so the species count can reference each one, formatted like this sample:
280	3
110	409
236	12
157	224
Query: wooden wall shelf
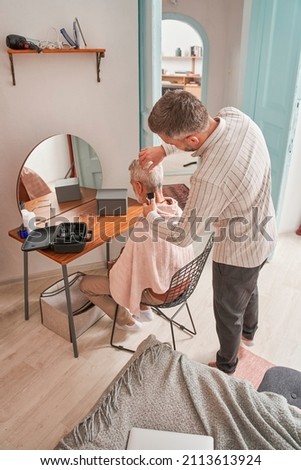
183	58
100	53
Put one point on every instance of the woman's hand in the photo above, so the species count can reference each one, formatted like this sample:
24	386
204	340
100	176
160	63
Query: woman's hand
153	155
111	262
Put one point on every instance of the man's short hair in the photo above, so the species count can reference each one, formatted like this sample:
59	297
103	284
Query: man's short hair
177	114
151	180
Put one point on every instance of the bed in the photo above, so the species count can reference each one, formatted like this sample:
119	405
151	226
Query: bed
160	388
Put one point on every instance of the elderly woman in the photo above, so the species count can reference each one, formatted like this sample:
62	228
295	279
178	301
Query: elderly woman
144	268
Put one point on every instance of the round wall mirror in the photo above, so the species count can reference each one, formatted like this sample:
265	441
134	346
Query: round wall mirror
60	161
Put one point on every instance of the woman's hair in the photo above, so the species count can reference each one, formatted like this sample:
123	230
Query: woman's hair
177	114
151	180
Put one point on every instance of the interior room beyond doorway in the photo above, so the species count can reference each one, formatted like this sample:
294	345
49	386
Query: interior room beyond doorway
182	64
182	54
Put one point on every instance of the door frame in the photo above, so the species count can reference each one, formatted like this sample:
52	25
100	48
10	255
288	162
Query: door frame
149	45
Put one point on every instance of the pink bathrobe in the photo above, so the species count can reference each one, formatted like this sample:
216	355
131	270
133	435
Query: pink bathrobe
146	262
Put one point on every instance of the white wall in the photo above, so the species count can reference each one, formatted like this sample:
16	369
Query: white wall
176	34
58	94
42	158
185	37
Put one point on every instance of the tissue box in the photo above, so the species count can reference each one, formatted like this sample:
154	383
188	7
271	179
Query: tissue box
67	190
112	202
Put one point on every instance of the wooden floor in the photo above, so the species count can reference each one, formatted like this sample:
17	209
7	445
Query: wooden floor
45	391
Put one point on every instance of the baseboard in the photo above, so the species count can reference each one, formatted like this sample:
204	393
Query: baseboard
85	268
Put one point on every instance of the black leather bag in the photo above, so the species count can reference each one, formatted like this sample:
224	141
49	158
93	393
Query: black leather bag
67	237
14	41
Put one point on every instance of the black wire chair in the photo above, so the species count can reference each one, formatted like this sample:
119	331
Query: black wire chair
182	285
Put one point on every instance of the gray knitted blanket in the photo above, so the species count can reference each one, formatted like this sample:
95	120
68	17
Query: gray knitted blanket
162	389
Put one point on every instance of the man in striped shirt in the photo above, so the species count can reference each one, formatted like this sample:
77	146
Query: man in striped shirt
230	194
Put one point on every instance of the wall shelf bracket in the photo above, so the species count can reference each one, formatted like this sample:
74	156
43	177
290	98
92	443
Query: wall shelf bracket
100	53
99	56
11	59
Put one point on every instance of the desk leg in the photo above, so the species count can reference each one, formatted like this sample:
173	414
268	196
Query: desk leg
70	313
108	250
25	275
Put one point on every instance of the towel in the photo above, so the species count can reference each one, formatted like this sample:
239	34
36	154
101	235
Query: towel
147	261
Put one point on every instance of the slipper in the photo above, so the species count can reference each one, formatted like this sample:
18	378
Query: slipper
247	341
135	327
146	315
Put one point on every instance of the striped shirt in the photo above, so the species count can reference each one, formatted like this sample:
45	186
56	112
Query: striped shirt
230	194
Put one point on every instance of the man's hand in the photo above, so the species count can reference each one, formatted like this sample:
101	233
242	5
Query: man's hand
147	208
153	155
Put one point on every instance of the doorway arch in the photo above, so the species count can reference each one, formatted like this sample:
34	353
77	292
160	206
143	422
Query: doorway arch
204	38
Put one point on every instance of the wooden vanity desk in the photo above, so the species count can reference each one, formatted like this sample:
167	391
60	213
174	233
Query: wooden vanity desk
104	228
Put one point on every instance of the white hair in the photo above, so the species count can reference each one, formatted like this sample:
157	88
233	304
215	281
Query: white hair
151	180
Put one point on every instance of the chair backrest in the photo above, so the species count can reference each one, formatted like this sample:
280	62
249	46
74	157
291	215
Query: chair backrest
185	280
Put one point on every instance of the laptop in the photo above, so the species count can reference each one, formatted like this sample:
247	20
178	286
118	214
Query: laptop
151	439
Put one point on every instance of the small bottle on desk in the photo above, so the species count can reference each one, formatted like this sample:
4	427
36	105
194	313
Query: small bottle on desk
23	232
